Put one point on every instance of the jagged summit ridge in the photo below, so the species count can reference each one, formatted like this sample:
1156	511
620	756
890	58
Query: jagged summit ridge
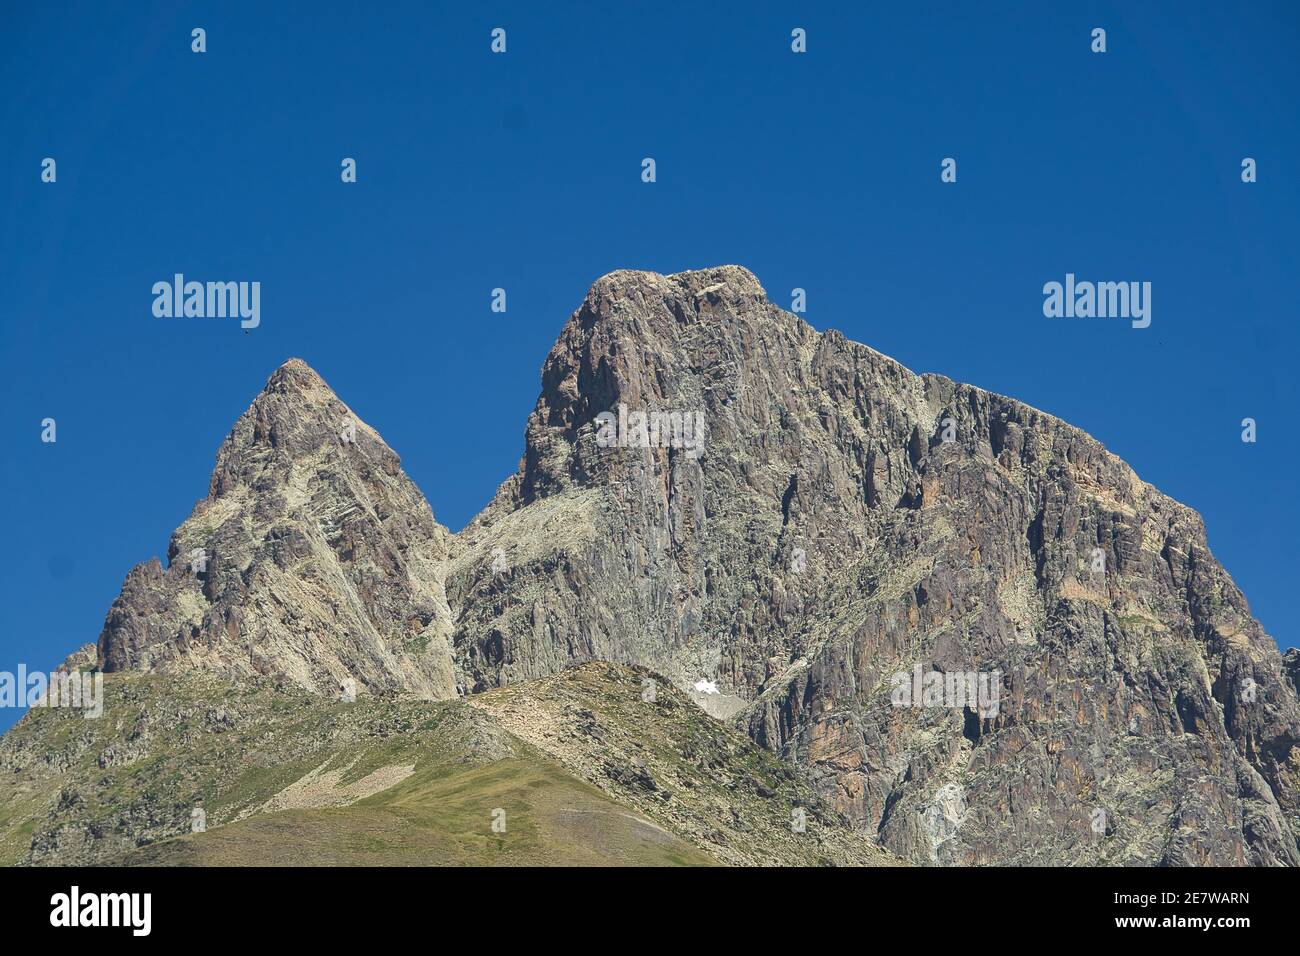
731	281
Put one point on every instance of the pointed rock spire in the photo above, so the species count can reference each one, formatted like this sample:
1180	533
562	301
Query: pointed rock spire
314	559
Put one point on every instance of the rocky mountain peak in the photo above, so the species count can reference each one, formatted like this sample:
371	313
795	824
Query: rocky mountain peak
296	418
846	521
730	282
296	371
314	559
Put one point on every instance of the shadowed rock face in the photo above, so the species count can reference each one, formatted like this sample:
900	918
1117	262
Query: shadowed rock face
846	521
323	561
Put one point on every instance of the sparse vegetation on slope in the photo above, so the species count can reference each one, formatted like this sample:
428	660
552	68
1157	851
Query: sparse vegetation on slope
680	767
284	777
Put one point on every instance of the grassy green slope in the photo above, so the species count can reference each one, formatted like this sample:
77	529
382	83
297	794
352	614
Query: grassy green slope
442	817
585	771
122	788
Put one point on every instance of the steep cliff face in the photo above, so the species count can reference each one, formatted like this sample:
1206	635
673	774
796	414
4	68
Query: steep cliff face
847	520
312	560
714	490
649	555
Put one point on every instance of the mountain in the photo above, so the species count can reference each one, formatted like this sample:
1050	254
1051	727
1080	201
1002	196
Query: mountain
849	520
967	632
313	559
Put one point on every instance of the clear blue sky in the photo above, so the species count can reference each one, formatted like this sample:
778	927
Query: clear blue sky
523	171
